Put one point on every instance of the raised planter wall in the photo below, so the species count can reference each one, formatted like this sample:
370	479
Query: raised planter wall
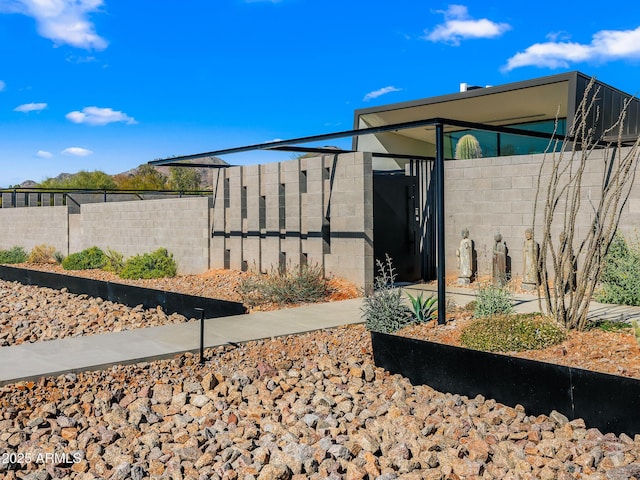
129	295
608	402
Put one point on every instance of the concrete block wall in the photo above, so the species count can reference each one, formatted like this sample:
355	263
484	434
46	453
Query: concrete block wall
28	227
180	225
487	195
314	210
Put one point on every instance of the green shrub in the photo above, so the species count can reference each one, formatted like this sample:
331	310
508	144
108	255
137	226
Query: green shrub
609	325
300	284
422	308
384	309
492	300
512	333
620	275
58	257
157	264
88	259
13	255
114	261
42	254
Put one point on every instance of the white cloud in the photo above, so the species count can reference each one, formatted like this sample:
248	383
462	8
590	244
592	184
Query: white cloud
62	21
76	151
605	45
44	154
458	25
30	107
380	92
99	116
2	85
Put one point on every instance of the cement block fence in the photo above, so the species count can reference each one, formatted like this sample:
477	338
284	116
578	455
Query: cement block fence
310	210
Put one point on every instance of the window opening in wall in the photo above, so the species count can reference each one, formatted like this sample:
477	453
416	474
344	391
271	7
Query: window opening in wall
227	259
304	261
282	210
282	261
326	173
227	193
262	212
245	266
243	202
303	181
326	235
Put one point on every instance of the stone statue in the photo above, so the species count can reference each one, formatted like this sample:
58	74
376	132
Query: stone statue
530	254
499	271
465	259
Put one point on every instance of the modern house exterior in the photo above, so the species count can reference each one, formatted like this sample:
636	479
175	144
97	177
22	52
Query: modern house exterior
398	191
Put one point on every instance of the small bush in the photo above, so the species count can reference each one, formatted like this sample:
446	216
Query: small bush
115	261
512	333
13	255
620	275
492	300
423	309
303	284
157	264
384	309
42	254
58	257
88	259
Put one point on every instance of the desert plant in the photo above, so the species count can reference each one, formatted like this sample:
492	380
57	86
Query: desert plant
492	300
42	254
512	333
468	147
383	309
567	290
620	275
58	257
423	309
282	286
13	255
88	259
636	331
157	264
114	261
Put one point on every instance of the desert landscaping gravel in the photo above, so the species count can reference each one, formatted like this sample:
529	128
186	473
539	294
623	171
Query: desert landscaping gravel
32	314
310	406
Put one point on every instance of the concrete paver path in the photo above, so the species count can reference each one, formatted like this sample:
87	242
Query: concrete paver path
33	360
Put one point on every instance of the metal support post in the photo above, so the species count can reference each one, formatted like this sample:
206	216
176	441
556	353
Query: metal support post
201	310
442	300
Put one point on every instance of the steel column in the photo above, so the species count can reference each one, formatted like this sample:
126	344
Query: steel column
439	171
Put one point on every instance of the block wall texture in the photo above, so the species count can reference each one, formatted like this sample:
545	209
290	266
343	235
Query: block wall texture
487	195
180	225
309	210
28	227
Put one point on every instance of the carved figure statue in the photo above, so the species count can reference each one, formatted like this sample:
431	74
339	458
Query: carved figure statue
499	270
530	254
465	259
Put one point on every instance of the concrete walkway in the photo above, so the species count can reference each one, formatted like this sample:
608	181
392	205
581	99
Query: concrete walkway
32	360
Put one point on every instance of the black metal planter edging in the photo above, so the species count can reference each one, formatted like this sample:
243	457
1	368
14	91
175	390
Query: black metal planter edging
608	402
129	295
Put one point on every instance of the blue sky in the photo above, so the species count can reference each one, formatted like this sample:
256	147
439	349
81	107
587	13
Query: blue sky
110	84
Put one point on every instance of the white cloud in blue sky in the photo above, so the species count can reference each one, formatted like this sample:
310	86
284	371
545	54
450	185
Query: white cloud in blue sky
380	92
44	154
77	151
62	21
605	45
97	116
459	25
2	85
30	107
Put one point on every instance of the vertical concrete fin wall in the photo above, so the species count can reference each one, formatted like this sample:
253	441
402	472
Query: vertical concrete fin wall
308	210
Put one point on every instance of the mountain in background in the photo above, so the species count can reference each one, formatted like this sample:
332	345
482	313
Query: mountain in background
205	174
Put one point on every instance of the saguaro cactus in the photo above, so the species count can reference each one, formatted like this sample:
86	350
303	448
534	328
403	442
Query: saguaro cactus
468	147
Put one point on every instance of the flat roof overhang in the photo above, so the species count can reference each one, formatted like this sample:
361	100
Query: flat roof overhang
535	100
